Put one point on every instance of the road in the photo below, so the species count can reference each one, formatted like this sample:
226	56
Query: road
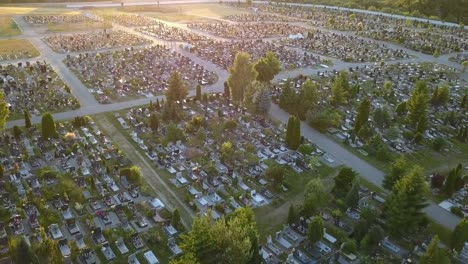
89	106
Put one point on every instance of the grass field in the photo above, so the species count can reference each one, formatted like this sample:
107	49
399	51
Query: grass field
20	47
31	10
8	27
187	12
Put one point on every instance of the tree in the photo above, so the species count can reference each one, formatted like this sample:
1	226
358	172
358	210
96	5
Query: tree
154	123
241	73
175	221
16	132
417	105
401	109
362	115
339	89
315	196
344	181
352	197
382	118
441	95
267	67
176	90
198	94
398	168
226	90
350	246
276	174
434	254
133	174
388	88
24	255
48	126
227	152
27	119
460	235
403	209
323	119
438	144
315	230
452	179
2	171
186	258
200	241
293	132
464	65
309	95
263	101
372	239
305	149
287	98
3	110
292	215
173	133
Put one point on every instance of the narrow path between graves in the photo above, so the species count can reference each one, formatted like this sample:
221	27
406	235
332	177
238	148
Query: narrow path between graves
163	191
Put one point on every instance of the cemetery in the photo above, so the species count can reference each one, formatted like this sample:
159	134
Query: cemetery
76	195
34	87
218	156
16	49
133	72
248	30
171	166
165	32
92	41
389	89
345	47
222	53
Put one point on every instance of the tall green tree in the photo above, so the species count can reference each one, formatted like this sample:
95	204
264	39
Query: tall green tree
362	115
241	73
344	181
352	197
176	89
198	93
418	105
3	110
340	89
315	197
24	255
292	217
200	241
276	174
453	179
267	67
227	92
460	235
315	230
263	101
186	258
309	95
175	221
48	126
154	123
398	168
434	254
372	239
403	209
27	119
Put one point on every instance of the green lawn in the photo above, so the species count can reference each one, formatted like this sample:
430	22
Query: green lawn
8	27
20	47
33	10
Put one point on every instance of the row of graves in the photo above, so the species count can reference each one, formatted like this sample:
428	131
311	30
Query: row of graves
160	30
222	53
420	36
248	30
91	41
58	19
215	179
344	47
35	87
128	20
443	120
427	41
292	239
260	17
74	188
120	75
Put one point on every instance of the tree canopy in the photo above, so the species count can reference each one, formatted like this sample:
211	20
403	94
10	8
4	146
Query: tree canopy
267	67
176	89
48	126
241	73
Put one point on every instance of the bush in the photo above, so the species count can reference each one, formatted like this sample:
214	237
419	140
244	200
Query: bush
133	174
457	211
438	144
437	180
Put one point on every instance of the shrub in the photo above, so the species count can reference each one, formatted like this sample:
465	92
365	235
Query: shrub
457	211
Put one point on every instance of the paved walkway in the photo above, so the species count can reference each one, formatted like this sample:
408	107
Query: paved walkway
90	106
